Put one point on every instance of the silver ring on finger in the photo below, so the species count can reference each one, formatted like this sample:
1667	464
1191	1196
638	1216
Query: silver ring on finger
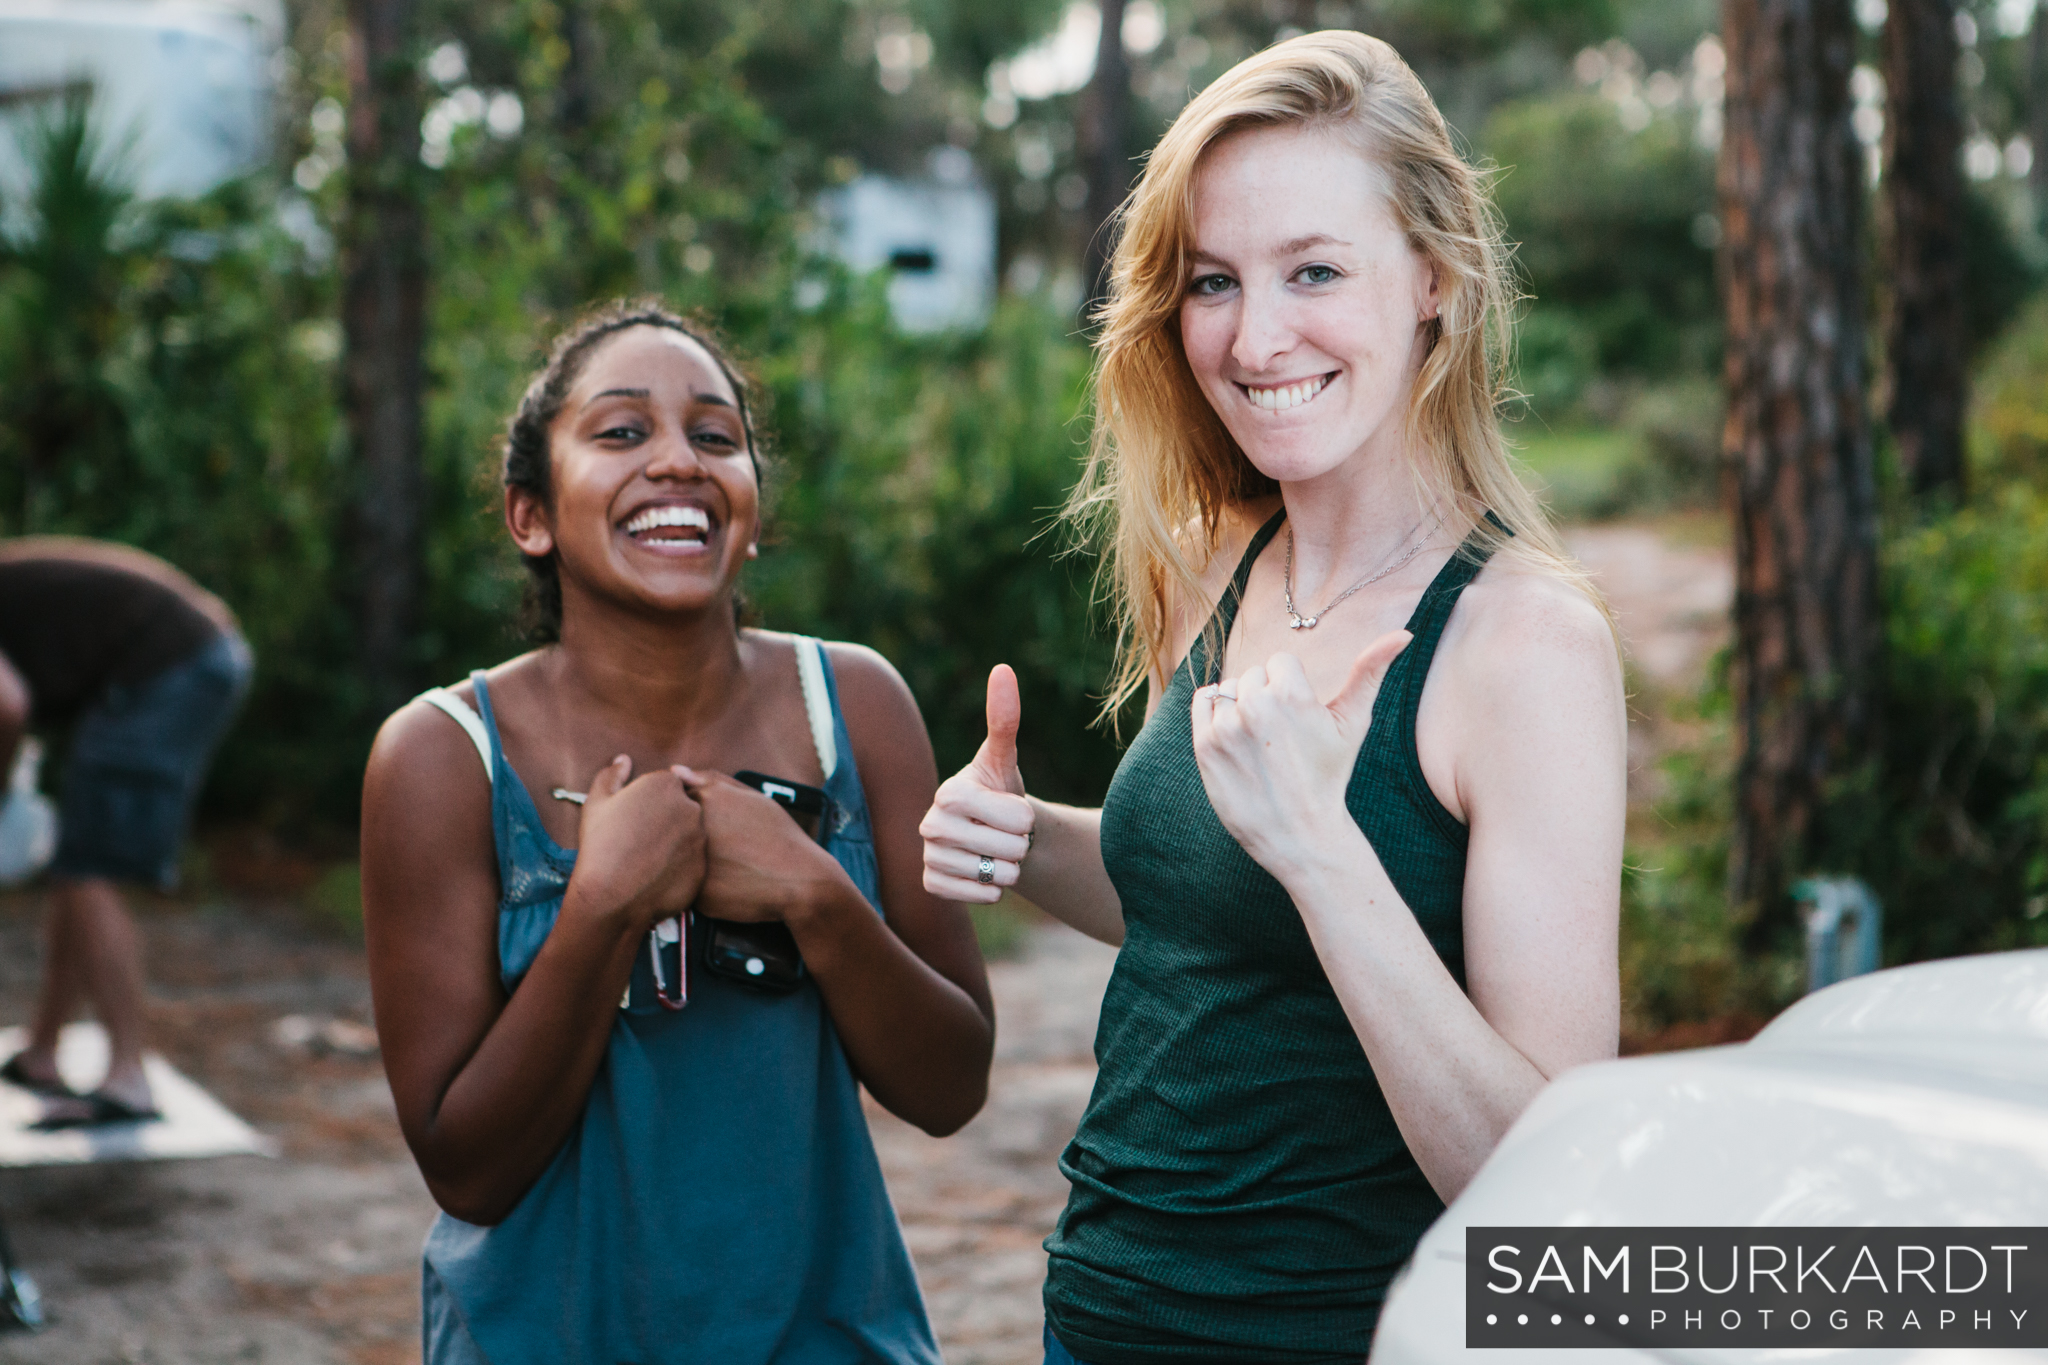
1226	691
985	871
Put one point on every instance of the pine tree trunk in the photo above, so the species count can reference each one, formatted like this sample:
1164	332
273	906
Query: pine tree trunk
1107	119
1796	443
1925	339
383	319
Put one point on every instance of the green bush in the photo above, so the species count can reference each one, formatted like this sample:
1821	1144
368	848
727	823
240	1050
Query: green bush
156	388
1951	822
1948	821
1955	829
168	378
1682	953
1631	448
1608	224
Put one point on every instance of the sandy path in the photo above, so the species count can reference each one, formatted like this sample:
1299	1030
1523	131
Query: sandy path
976	1206
1671	597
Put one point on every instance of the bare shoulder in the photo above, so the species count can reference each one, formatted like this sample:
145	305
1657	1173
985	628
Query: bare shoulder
422	750
1525	632
890	743
870	686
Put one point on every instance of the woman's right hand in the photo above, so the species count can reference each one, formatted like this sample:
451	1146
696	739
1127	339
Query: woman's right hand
980	812
640	845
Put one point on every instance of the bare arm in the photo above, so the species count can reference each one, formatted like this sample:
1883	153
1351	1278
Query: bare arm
15	705
908	993
1065	875
1542	777
1051	853
488	1088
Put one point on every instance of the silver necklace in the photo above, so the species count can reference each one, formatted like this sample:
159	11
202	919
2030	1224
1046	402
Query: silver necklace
1296	621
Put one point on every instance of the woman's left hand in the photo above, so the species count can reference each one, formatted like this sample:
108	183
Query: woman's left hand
758	864
1274	758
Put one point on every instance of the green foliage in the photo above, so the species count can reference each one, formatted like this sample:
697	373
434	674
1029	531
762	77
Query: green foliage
916	475
156	388
1001	928
1949	820
922	479
59	315
2009	426
2002	267
1611	243
1684	955
1955	826
1630	448
336	900
1951	824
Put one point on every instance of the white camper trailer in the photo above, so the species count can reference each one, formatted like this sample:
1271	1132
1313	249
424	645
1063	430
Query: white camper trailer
937	237
181	88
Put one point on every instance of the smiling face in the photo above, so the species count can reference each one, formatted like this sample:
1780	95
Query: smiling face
654	498
1306	314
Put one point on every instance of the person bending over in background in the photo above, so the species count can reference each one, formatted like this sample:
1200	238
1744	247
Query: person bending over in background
1364	859
647	1135
146	668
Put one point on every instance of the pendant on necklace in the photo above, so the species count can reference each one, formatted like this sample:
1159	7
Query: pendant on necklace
1303	623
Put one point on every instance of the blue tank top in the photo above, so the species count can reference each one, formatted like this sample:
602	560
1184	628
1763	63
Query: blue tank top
720	1200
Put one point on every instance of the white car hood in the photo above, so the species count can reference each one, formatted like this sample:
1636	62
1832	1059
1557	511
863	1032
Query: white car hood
1911	1097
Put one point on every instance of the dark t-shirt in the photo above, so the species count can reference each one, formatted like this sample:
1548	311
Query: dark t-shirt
72	628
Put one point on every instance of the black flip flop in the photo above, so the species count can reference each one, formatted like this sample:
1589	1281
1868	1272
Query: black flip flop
13	1074
100	1109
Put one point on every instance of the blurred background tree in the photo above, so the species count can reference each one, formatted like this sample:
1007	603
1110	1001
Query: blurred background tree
173	372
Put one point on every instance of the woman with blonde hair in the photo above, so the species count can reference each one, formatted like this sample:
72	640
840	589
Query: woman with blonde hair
1364	857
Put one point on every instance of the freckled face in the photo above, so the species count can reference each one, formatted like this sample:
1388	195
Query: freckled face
655	498
1306	309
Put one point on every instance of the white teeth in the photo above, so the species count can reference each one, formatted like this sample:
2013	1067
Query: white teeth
669	516
1287	395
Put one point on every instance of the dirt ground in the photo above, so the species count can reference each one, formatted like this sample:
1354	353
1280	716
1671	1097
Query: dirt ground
313	1257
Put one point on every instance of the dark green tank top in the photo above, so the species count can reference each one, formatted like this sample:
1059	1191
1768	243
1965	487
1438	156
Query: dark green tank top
1240	1191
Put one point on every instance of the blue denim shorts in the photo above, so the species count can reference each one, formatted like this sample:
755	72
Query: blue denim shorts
138	757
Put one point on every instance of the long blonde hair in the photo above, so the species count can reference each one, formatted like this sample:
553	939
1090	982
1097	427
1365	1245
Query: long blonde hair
1161	459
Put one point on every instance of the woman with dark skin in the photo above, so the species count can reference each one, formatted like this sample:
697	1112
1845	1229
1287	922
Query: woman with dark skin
650	511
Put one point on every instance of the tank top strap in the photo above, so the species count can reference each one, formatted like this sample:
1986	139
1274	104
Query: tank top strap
463	714
1202	667
1400	699
850	836
1434	610
482	689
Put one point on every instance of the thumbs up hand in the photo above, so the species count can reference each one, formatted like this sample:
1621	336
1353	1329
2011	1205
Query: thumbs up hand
1275	759
979	826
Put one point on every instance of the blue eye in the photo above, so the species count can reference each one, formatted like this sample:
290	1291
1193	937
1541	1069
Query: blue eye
1209	286
1316	274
